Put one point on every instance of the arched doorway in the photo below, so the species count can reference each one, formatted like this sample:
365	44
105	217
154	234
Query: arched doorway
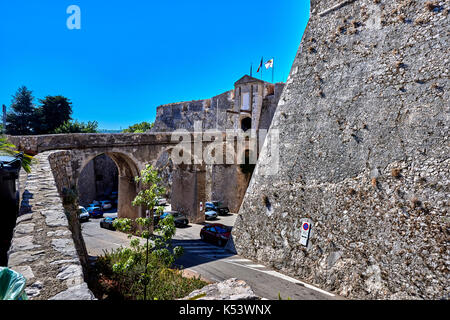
99	180
116	178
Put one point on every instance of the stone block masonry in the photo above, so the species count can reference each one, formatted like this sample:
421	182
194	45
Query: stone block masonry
43	247
364	155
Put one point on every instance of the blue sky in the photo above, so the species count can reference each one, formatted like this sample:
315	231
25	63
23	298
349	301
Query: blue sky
131	56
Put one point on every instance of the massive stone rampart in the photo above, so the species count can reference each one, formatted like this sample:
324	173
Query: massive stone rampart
47	246
364	155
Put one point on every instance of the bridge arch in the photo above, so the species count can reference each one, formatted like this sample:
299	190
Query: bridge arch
128	169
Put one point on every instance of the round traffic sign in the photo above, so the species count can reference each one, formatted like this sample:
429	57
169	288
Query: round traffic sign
305	226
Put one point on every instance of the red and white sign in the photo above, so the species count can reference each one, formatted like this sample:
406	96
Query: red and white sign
306	228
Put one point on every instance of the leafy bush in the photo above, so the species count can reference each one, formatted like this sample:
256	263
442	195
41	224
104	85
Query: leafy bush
145	271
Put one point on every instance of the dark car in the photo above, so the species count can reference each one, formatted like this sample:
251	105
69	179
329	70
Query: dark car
107	223
217	233
95	211
217	206
180	219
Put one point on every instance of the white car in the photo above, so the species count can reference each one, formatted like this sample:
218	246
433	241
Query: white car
162	202
83	214
106	204
210	215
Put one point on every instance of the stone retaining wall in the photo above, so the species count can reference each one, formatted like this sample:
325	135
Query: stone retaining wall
43	249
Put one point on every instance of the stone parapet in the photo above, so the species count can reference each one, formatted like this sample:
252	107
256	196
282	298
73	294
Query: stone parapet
42	248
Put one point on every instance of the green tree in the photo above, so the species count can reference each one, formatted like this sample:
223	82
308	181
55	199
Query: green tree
53	113
160	252
139	127
77	127
19	121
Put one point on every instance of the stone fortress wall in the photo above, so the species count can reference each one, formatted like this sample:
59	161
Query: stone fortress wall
364	155
251	98
214	112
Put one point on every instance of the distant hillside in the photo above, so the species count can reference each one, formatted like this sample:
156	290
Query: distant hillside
109	131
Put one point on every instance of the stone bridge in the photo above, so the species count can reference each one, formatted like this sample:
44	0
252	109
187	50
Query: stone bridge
131	153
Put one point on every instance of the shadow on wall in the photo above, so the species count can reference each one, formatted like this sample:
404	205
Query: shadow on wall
98	179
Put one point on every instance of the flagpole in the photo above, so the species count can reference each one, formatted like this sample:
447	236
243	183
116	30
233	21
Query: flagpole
262	68
273	67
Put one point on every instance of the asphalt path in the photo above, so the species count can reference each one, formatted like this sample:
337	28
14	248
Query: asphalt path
211	261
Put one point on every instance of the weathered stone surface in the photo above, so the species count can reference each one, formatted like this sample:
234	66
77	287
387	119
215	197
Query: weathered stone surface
231	289
23	243
364	154
25	228
43	249
64	246
70	271
23	257
79	292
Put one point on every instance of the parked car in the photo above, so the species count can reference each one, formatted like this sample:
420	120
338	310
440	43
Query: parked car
162	202
180	219
217	233
107	223
222	210
83	214
106	204
210	214
210	206
95	211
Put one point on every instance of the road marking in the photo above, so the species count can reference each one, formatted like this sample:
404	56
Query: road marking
255	266
215	256
205	251
198	247
241	260
282	276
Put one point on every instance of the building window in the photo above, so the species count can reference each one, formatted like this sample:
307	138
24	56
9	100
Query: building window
245	101
246	124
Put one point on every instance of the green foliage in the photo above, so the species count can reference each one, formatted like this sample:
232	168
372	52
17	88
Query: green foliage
139	127
162	283
77	127
69	195
19	121
146	269
151	191
7	148
52	114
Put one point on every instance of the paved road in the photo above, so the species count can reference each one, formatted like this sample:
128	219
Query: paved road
212	262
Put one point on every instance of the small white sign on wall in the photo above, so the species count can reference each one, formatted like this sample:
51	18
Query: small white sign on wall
304	237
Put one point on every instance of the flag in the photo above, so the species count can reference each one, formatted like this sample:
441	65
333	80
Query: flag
260	65
269	64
